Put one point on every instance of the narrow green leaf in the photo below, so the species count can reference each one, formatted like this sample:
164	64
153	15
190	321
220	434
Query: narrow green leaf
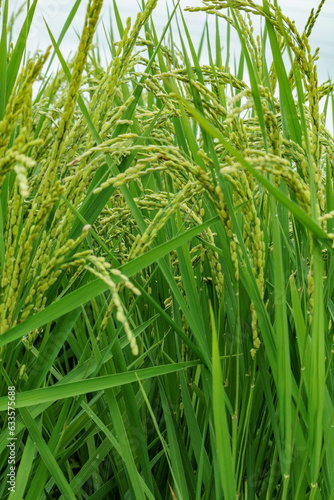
96	287
287	100
222	435
46	455
300	214
3	61
16	57
63	391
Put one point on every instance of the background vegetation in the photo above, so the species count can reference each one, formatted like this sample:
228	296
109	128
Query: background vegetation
166	260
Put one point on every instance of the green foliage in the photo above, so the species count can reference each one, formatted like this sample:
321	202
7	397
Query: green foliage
166	262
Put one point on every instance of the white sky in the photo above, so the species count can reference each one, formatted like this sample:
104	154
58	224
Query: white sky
55	13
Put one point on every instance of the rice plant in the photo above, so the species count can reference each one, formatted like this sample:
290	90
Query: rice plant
166	261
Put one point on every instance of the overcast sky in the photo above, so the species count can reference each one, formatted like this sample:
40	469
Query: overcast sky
55	13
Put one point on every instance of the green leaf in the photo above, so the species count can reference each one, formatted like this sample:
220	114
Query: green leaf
96	287
288	105
70	390
46	455
222	435
303	217
3	61
16	57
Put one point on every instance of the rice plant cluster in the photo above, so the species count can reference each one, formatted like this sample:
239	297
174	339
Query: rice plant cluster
166	260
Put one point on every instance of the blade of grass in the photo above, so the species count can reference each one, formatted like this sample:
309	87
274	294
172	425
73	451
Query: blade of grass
252	77
51	394
24	470
300	214
46	455
96	287
16	57
3	60
222	435
283	349
287	101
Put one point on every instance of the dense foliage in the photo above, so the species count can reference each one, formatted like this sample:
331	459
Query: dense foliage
166	262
